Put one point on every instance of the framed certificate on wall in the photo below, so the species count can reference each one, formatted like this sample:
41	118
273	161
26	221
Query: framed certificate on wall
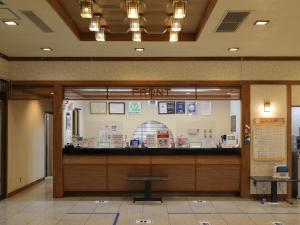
117	108
98	108
166	107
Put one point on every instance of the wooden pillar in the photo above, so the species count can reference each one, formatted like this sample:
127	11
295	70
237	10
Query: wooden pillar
245	153
289	136
58	187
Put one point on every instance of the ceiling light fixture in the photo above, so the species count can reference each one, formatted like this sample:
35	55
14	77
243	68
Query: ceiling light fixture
47	49
261	22
132	9
95	23
139	49
100	35
179	9
173	36
136	36
10	23
233	49
175	25
86	9
135	25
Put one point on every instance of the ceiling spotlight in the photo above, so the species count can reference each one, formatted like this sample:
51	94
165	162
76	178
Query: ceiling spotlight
173	36
135	25
261	22
86	9
10	23
233	49
139	49
136	36
175	25
100	35
179	9
132	9
47	49
95	23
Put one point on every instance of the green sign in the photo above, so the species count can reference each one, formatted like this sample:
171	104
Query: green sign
135	107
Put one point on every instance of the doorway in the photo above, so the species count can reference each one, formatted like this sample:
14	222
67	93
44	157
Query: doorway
3	122
296	150
49	144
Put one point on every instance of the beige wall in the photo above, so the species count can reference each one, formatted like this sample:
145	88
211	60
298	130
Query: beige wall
3	68
155	70
26	142
277	95
295	95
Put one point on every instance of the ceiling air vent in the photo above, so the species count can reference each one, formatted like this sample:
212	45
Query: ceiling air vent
37	21
232	21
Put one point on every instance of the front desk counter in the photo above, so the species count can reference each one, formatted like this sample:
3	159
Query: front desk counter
188	170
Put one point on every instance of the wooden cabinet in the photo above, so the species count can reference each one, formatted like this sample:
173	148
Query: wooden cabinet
85	178
186	173
180	171
121	167
218	173
117	177
85	173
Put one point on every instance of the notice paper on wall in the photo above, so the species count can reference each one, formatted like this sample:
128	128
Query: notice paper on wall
269	138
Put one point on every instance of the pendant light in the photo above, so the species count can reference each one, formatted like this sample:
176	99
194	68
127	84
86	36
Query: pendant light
173	36
175	25
179	9
134	25
100	35
95	23
132	9
86	9
137	36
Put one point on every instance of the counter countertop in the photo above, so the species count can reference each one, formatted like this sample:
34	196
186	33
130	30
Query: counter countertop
152	151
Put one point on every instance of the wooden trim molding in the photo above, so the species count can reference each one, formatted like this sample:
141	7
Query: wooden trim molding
209	9
58	185
255	58
245	153
10	194
4	56
289	135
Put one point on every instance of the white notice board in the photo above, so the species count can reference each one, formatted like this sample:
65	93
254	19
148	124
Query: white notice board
269	138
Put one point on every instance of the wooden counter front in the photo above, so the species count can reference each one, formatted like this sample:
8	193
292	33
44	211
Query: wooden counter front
186	173
85	173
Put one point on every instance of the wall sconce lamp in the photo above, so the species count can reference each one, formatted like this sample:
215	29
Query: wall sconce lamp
267	106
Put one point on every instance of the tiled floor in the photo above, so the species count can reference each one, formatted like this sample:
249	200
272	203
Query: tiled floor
37	207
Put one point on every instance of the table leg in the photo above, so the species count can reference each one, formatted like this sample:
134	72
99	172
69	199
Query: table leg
148	189
274	197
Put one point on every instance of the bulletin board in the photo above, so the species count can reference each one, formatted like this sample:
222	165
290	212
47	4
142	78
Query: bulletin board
269	139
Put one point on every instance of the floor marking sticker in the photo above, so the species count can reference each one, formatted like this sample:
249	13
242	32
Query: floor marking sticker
143	221
204	223
199	201
102	202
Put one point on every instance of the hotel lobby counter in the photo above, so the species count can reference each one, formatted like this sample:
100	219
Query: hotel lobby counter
151	151
188	170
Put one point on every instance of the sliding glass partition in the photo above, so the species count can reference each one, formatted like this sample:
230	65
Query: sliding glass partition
153	117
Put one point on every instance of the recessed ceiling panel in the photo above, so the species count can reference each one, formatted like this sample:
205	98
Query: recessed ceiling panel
7	14
154	18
